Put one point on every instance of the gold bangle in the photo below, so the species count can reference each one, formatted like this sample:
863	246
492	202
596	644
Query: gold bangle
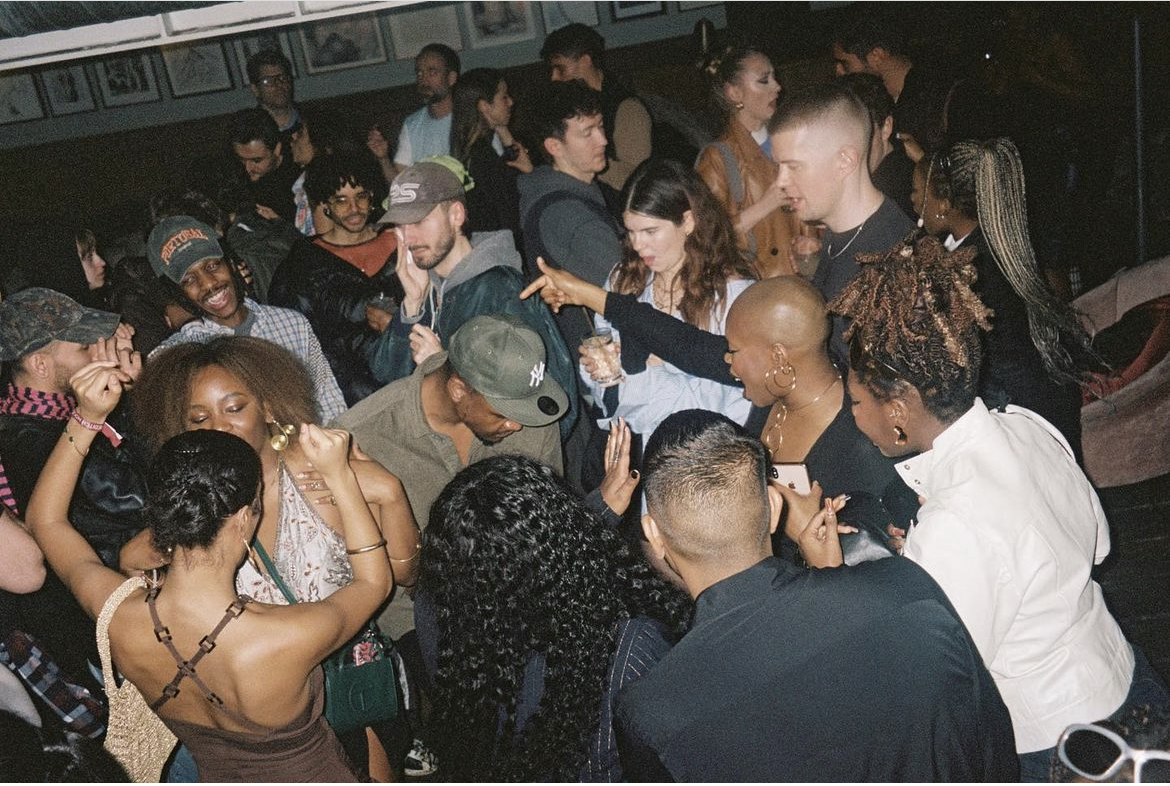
364	549
417	549
69	437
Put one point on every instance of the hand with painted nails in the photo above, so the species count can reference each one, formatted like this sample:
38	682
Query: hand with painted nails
617	487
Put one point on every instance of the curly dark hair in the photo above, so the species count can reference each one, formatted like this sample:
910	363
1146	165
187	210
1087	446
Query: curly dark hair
915	321
275	376
516	565
661	188
197	480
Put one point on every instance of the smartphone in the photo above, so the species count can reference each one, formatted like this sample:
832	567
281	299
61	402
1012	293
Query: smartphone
794	476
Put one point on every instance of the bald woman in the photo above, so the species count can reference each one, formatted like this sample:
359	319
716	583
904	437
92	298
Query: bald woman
776	349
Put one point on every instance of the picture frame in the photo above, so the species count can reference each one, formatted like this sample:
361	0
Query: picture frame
19	100
247	45
67	90
196	68
342	42
558	14
623	10
126	79
492	23
693	4
410	31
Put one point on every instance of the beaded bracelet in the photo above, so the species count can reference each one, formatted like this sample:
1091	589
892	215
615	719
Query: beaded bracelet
370	547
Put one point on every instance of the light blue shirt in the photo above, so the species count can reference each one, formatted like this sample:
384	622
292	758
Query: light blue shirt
423	136
647	398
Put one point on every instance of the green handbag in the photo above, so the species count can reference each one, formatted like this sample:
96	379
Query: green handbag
361	678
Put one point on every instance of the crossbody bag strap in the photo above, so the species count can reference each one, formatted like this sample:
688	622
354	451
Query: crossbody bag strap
274	573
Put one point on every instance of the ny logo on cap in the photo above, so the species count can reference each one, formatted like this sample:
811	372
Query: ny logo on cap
403	193
537	375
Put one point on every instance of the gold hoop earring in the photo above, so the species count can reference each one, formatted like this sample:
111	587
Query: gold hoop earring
279	435
253	557
901	440
770	380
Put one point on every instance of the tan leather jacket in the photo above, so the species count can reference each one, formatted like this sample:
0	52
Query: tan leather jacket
773	235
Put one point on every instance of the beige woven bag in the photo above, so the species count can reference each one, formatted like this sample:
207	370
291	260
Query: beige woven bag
135	735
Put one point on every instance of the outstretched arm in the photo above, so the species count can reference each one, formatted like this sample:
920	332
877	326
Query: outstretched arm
98	387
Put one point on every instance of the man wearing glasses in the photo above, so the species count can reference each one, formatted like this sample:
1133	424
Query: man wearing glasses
270	75
346	186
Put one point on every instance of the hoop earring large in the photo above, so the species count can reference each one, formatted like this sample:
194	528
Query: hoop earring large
770	380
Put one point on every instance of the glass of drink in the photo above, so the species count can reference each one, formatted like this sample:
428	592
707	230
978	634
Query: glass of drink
601	349
806	248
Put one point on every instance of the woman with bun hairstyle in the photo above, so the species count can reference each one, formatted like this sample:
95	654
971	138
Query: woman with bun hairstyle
738	167
253	711
258	391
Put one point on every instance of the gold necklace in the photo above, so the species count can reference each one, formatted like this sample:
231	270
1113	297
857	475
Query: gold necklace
657	297
777	423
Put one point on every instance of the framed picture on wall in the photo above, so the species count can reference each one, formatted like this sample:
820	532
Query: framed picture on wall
495	23
558	14
126	79
342	42
67	90
410	31
689	6
250	44
196	68
18	99
634	10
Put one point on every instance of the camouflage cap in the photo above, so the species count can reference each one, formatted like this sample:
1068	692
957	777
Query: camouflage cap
32	318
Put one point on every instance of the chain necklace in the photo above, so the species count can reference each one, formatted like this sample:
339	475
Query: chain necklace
656	296
829	250
780	416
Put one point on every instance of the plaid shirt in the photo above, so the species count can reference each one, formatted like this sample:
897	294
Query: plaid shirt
74	705
281	326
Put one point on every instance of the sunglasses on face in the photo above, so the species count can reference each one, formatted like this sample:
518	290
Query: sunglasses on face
1098	754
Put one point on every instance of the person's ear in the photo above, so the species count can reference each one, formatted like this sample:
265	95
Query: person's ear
775	506
733	92
39	364
779	355
876	58
887	128
553	146
456	388
898	409
848	158
278	151
456	215
255	90
452	78
482	106
688	222
653	536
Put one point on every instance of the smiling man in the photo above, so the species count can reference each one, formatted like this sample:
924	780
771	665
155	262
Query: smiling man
821	140
186	252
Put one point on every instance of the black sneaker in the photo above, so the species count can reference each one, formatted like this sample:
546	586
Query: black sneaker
420	761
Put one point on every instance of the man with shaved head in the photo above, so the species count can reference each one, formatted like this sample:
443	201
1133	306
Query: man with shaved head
853	674
821	138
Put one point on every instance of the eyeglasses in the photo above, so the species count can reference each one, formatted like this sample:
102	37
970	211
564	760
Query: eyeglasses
363	200
278	79
1098	754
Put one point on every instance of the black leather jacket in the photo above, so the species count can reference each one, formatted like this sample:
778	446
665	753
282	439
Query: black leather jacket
106	507
332	294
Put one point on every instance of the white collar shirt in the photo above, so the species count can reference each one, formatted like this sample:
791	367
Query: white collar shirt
1011	529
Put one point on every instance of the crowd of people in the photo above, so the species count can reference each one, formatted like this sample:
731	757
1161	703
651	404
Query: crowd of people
632	468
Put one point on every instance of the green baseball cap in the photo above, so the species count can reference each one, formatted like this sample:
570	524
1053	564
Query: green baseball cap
32	318
177	243
504	361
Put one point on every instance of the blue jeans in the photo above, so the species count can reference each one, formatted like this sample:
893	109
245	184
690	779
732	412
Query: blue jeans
1146	687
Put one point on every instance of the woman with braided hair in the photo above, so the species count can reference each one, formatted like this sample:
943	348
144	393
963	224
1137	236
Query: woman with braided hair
973	194
543	614
1010	527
